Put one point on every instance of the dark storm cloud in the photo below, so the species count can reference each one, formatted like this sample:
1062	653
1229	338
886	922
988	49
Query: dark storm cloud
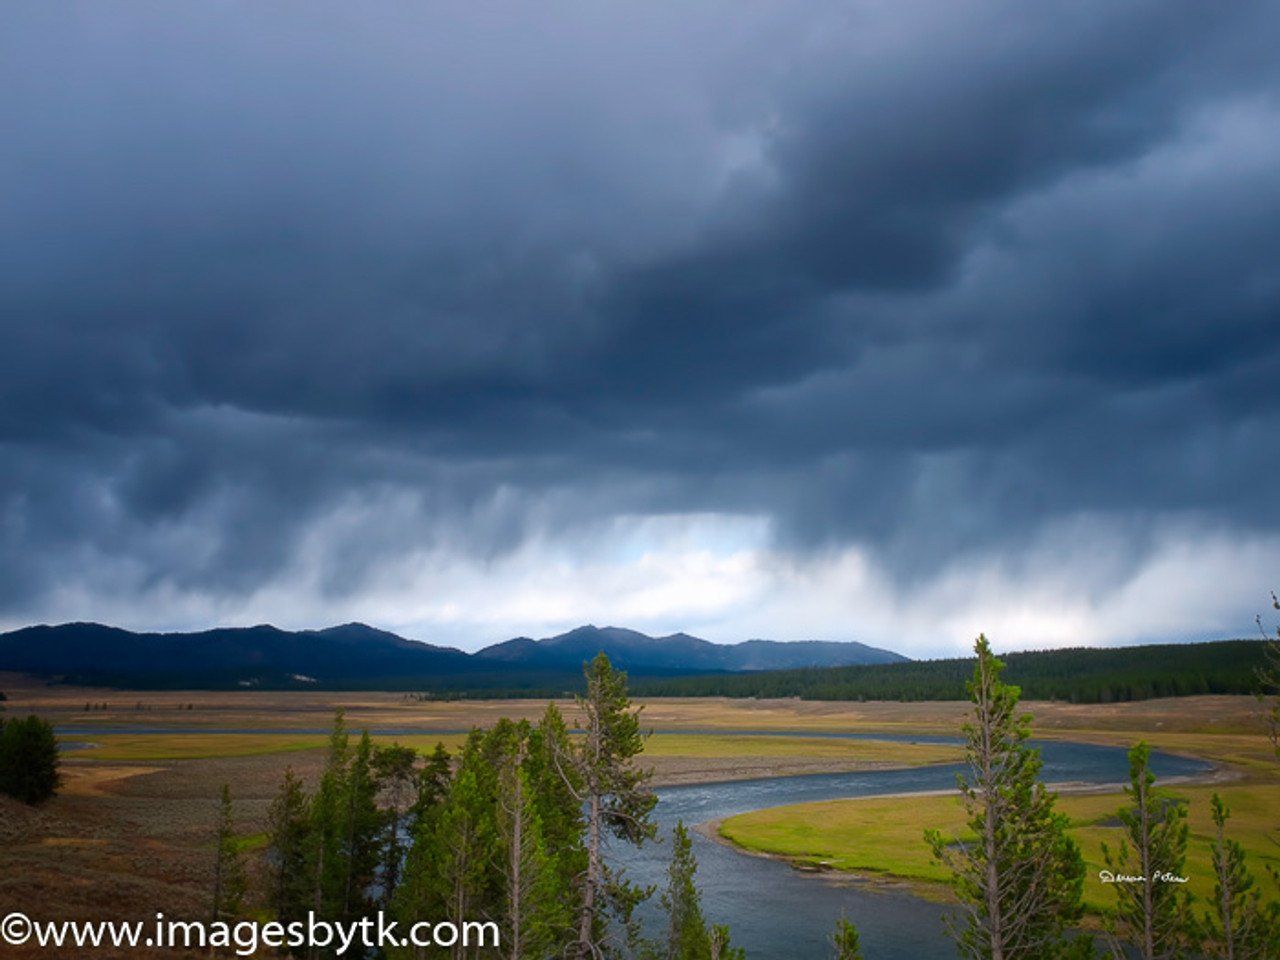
924	278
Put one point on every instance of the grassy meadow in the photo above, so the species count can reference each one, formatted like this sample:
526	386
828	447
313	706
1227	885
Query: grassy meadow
133	825
881	838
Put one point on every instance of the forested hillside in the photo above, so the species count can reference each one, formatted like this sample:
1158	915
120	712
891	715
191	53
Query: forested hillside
1077	675
355	656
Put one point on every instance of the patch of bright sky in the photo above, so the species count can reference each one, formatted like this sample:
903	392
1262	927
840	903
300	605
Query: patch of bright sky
716	576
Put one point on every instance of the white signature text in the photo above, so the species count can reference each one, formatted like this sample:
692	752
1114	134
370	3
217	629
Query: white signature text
1106	876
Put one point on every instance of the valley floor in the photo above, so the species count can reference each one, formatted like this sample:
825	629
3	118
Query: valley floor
132	829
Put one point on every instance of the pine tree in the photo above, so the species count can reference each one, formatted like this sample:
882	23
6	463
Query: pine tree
1237	926
288	826
1020	879
721	949
845	941
228	871
687	936
420	893
327	831
533	910
466	846
393	777
617	799
29	759
1268	682
362	824
433	783
518	832
1153	906
557	788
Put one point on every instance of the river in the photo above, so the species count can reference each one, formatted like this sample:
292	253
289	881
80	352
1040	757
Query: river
778	913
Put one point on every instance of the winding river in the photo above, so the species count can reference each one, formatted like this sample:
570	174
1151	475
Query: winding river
778	913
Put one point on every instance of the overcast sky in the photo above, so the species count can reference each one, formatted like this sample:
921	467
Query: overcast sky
797	319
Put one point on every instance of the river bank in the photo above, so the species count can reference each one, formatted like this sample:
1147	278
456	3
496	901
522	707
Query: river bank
686	771
876	840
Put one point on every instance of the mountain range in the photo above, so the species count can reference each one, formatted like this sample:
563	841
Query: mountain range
355	655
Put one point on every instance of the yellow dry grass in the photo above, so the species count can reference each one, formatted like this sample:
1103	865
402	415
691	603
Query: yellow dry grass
87	781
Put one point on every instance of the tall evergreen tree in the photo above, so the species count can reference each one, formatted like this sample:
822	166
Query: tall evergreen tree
361	831
420	892
518	831
536	921
1268	678
617	799
394	780
687	935
1152	903
466	846
1237	926
288	826
228	870
327	831
557	788
1020	878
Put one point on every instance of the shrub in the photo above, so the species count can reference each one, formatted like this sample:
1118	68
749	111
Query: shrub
28	759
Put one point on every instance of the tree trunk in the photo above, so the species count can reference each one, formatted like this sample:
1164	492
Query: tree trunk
517	853
217	883
586	943
1148	910
314	953
991	797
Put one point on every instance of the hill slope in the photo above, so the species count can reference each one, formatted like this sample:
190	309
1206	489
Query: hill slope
91	652
1078	675
637	653
355	655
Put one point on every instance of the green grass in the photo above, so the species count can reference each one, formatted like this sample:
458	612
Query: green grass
1255	817
885	835
249	842
881	835
425	743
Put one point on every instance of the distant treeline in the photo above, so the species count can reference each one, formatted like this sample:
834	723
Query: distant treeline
1076	675
503	685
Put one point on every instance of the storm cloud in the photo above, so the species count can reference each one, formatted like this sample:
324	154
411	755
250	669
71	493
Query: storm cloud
809	319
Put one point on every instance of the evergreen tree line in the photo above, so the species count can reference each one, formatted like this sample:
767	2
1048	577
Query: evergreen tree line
1019	876
489	836
508	834
1077	675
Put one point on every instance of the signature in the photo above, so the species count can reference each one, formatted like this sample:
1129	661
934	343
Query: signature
1106	876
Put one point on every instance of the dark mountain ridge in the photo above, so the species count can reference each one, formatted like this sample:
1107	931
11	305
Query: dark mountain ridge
355	654
636	652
